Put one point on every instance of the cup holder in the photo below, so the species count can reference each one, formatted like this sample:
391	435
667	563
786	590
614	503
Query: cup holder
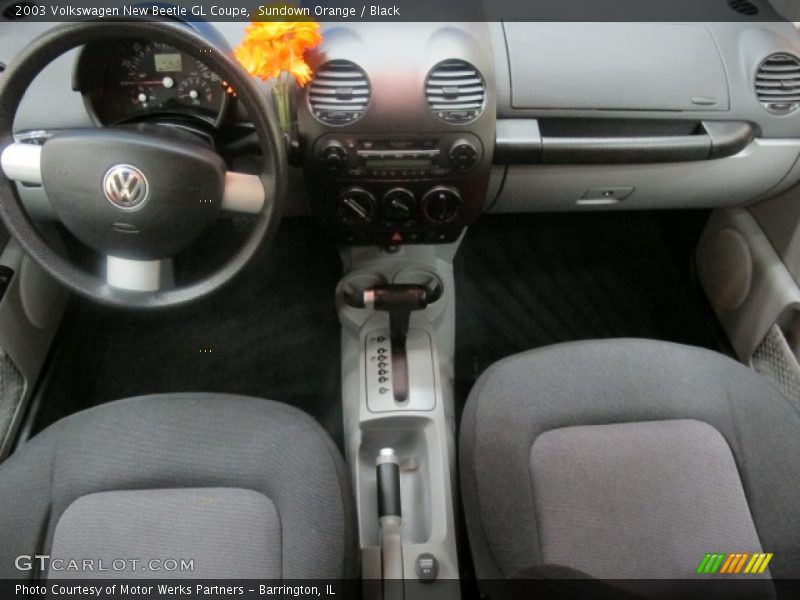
353	287
424	277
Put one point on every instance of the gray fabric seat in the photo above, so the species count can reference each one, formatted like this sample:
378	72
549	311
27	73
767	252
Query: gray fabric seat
243	487
626	459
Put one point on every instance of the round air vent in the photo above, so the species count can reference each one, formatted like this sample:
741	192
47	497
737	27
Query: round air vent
339	93
744	7
778	83
455	91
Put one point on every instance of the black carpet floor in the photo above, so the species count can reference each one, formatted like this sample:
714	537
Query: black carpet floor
524	282
273	333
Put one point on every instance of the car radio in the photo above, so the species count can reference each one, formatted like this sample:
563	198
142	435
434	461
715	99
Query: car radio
356	157
392	189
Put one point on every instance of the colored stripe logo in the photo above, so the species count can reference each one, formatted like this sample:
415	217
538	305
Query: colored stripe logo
734	563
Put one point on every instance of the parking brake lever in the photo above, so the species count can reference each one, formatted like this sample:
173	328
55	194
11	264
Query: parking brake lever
398	300
391	523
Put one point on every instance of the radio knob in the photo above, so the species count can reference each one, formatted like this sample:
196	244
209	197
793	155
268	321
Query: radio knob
462	154
334	157
398	203
356	207
441	205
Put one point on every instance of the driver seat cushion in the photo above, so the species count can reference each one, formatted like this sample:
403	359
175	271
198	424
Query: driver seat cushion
184	460
211	531
599	456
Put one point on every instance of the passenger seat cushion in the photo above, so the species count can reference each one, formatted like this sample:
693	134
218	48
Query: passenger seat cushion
187	441
638	500
609	382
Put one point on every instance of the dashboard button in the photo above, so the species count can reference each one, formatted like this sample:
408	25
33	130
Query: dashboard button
334	157
441	205
356	207
462	154
398	204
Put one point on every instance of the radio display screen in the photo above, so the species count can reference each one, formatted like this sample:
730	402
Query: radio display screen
398	163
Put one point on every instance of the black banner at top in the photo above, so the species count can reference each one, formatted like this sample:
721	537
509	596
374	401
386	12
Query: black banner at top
403	10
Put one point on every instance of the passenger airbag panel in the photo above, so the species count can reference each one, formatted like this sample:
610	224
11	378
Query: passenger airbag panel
617	66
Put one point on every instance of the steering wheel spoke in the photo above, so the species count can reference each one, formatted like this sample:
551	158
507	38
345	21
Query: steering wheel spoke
22	163
243	193
133	275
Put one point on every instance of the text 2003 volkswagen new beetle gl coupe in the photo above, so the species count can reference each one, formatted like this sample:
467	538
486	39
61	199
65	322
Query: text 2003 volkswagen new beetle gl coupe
477	300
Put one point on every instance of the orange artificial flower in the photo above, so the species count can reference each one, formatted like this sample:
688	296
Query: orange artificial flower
270	47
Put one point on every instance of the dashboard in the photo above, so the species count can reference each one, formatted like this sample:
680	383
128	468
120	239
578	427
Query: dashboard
410	131
397	146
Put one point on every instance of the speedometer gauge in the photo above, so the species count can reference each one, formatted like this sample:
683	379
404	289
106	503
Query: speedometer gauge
142	79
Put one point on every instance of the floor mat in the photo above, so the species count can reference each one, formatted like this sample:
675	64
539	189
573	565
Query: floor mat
521	282
273	334
528	281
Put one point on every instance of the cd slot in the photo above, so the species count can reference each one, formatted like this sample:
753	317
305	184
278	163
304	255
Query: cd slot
399	154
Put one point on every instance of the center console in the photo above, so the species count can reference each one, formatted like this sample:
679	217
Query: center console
397	144
396	132
398	189
406	520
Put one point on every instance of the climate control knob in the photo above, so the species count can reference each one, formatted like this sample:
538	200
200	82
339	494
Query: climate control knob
441	205
397	204
356	207
462	154
333	157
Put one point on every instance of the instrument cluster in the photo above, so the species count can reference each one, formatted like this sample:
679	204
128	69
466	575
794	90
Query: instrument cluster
132	80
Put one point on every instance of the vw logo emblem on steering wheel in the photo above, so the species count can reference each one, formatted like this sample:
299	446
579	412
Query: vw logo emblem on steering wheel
126	187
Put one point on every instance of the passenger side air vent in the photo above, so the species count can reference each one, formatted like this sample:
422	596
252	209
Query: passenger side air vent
778	83
744	7
339	93
455	91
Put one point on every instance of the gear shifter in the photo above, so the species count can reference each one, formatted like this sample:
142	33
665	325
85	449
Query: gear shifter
398	300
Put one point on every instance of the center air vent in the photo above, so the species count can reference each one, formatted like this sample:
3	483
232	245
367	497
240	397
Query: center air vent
456	92
744	7
778	83
339	93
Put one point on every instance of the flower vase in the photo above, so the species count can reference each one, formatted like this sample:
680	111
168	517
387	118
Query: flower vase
283	105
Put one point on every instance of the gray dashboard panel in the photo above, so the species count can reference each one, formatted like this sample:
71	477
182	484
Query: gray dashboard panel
761	170
50	101
733	181
615	66
741	48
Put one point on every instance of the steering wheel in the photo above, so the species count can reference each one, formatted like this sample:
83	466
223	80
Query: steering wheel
136	197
